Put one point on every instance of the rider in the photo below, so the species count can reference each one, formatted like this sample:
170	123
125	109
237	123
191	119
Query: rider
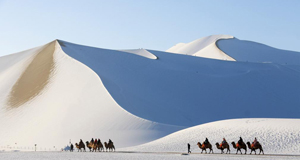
81	142
240	141
255	141
206	141
223	142
92	141
95	140
109	141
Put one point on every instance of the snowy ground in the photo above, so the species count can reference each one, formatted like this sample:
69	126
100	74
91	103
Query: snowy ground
132	156
277	136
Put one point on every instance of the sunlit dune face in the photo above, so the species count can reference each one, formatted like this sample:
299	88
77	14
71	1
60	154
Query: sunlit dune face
34	79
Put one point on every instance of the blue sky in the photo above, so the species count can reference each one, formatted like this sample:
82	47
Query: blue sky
152	24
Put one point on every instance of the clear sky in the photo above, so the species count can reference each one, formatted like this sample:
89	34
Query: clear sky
152	24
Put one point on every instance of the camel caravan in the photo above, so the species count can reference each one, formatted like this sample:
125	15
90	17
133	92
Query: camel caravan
94	145
224	145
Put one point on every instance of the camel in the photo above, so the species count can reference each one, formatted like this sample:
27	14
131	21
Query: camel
92	146
239	147
110	146
80	146
204	146
100	145
225	145
255	147
88	145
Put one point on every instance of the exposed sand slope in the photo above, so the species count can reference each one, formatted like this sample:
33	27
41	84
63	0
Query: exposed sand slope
277	136
34	79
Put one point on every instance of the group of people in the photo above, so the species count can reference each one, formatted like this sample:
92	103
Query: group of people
240	142
92	141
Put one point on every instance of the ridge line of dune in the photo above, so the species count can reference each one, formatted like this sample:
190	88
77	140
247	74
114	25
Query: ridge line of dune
220	49
135	116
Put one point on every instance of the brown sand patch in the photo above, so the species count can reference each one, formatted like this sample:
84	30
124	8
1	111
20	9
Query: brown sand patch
34	79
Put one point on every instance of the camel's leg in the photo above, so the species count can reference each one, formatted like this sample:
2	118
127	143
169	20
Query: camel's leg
261	150
245	151
254	151
202	151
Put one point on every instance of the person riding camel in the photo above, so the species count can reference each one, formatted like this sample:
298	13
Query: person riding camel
95	141
99	141
92	141
254	142
223	142
240	142
206	141
109	141
81	142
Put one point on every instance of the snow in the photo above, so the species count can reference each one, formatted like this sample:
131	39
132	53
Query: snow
141	52
277	136
248	51
133	156
203	47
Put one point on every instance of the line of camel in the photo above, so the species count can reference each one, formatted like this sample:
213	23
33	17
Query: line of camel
238	146
94	146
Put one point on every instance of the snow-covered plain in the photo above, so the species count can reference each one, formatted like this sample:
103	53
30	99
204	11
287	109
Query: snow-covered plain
134	156
63	91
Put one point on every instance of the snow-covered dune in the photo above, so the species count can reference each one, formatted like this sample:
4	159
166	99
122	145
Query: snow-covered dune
63	91
49	105
248	51
175	89
225	47
204	47
277	136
